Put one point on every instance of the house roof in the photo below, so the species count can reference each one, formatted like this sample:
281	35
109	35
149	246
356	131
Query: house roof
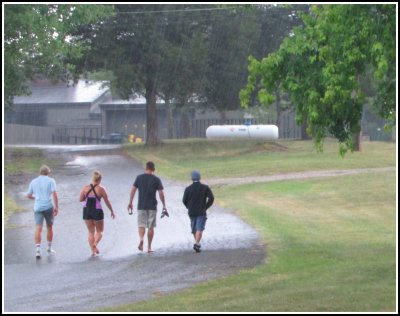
139	99
46	93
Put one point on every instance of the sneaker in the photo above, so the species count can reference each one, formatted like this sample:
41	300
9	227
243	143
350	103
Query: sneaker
38	254
51	251
196	248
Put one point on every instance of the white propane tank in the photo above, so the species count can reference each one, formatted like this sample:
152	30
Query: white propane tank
242	131
263	131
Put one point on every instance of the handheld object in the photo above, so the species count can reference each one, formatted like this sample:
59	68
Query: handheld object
129	210
164	213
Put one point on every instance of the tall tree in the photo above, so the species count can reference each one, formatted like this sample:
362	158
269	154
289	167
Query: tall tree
136	46
184	60
277	23
37	42
321	63
231	37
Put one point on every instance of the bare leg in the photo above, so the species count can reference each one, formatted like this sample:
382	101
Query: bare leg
99	234
38	235
49	233
150	235
91	229
198	236
142	231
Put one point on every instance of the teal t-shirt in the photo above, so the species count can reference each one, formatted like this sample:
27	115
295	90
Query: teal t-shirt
42	187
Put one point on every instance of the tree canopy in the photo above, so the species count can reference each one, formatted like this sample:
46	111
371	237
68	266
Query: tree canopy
135	45
37	42
320	66
175	52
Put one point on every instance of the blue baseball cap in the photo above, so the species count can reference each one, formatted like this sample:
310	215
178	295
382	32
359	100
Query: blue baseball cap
195	175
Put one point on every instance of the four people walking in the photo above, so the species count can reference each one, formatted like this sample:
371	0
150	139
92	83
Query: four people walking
197	198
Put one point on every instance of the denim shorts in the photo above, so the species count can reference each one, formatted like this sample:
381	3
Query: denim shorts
198	223
44	215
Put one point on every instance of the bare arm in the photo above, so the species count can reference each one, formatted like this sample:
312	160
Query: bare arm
105	197
162	198
30	196
133	192
55	198
82	195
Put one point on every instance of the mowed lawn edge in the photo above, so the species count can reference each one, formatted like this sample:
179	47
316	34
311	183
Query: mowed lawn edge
331	246
175	159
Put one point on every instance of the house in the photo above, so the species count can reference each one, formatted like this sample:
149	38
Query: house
84	112
128	117
67	110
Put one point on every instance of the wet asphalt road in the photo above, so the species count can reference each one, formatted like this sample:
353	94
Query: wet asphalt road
73	281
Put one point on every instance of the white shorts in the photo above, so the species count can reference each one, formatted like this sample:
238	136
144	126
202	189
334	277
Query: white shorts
147	218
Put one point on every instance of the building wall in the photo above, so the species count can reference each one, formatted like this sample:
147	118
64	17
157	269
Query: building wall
66	114
26	134
34	115
129	121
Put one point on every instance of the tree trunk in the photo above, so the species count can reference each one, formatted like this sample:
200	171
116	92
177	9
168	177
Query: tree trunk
151	112
357	135
278	109
304	134
357	141
185	125
223	117
169	118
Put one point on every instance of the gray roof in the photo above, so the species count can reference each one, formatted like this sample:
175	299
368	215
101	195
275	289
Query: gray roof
81	92
138	99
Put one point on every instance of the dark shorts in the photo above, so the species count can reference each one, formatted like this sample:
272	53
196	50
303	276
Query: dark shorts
198	223
93	214
45	215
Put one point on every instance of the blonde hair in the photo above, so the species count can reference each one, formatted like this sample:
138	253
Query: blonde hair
44	170
96	176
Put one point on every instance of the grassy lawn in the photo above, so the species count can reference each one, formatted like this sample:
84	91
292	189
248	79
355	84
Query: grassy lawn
241	158
10	206
18	161
331	248
331	242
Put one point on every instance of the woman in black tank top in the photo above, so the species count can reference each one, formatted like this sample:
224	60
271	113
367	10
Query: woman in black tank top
93	212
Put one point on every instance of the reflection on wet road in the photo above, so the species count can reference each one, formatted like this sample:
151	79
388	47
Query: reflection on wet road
72	281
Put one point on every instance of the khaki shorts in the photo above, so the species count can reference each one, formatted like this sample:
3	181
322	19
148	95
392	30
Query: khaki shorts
147	218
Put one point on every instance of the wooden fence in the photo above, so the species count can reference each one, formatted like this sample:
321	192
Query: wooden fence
287	126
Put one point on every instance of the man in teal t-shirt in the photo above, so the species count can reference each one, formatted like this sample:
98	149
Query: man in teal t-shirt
42	189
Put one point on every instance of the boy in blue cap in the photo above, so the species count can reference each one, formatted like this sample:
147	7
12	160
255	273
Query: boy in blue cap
197	198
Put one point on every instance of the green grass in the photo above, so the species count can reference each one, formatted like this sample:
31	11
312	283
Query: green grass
241	158
331	248
10	206
331	242
18	161
23	160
